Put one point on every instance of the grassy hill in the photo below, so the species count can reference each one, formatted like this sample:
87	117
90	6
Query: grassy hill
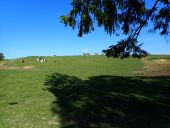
81	66
113	95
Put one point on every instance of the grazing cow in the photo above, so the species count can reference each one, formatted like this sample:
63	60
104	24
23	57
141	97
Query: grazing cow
22	61
41	60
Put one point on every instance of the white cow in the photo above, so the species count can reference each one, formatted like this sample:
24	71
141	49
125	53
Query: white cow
41	60
38	59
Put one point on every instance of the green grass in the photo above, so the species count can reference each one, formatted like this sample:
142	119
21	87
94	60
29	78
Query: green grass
82	66
25	103
111	101
154	57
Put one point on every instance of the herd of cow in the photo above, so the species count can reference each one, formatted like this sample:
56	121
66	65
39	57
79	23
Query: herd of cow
40	59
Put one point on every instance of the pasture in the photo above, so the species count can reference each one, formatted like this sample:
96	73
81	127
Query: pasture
85	92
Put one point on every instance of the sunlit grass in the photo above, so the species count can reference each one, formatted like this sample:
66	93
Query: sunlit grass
24	103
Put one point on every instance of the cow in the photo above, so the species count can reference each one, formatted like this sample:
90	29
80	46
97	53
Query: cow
41	60
22	61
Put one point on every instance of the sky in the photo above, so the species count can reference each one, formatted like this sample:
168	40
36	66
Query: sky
33	28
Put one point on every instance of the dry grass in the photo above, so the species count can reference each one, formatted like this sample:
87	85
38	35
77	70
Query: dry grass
16	68
158	67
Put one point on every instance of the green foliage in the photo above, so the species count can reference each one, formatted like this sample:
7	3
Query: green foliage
125	48
1	56
119	17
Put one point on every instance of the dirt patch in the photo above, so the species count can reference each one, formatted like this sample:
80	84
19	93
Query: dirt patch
28	67
158	67
52	123
16	68
2	63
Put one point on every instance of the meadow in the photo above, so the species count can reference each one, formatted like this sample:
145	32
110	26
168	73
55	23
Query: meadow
83	92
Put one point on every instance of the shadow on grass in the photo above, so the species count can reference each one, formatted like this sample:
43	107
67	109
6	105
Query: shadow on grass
111	101
13	103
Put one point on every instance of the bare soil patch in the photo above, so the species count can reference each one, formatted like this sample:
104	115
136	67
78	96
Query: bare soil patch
28	67
16	68
158	67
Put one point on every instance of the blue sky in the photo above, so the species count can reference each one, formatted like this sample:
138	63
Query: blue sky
33	28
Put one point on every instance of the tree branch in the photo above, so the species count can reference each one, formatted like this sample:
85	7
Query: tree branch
137	32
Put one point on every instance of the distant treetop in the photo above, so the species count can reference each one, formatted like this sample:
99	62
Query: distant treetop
1	56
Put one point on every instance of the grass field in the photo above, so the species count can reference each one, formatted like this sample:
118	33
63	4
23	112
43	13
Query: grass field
104	93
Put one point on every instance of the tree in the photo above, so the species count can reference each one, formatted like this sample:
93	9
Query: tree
126	17
1	56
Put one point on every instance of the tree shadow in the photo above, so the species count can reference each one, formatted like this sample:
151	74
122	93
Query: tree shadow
111	101
13	103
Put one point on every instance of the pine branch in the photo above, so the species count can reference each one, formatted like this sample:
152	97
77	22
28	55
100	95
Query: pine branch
137	32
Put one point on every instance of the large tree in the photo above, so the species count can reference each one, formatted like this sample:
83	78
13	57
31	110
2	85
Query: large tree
1	56
118	17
